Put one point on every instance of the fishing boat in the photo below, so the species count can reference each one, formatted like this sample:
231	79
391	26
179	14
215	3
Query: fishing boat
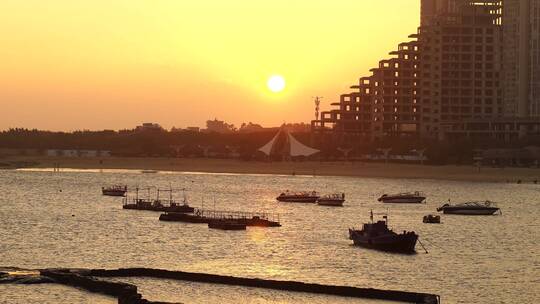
143	204
298	197
334	200
116	190
170	205
431	219
157	204
227	225
378	236
470	208
261	221
183	217
403	198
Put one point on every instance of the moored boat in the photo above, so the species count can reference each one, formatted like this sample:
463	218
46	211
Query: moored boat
206	216
334	200
259	221
227	225
470	208
431	219
378	236
183	217
116	190
158	204
298	197
403	198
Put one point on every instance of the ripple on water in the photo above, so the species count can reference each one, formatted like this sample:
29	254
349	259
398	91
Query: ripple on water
490	259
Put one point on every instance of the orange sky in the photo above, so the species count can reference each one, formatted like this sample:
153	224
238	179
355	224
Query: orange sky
111	64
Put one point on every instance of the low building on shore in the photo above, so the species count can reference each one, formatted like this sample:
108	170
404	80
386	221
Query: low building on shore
77	153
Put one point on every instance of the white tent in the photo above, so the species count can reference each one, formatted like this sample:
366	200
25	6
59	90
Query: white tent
292	146
267	149
299	149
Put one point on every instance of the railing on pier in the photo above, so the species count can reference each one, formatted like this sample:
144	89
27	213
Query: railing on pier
234	215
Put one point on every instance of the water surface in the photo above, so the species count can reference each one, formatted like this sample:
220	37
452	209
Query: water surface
62	220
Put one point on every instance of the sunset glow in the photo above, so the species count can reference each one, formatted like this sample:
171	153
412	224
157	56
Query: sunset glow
76	65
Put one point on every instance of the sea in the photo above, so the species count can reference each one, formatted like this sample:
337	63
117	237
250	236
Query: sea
61	219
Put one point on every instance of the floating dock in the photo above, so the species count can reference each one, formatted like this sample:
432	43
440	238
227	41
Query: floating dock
259	219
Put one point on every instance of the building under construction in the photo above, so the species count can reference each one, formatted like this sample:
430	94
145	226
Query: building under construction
445	83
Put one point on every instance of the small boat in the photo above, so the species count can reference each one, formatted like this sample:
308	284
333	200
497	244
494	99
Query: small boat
431	219
334	200
259	221
470	208
143	204
225	224
404	198
176	207
298	197
171	205
158	204
116	190
149	171
183	217
378	236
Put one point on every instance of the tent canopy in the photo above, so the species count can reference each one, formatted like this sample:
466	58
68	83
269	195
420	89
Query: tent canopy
283	143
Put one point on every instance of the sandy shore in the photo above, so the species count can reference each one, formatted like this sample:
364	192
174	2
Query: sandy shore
464	173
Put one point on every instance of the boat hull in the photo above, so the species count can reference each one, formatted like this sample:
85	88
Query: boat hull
183	217
179	209
402	200
193	218
401	243
226	225
332	203
113	193
470	211
297	199
260	222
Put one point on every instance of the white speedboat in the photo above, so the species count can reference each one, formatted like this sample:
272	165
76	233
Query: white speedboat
470	208
404	198
335	200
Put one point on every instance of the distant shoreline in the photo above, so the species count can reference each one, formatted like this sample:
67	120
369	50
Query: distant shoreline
356	169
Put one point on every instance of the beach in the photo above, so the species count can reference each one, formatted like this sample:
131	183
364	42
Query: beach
353	169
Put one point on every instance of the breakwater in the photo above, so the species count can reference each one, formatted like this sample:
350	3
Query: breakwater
128	293
94	280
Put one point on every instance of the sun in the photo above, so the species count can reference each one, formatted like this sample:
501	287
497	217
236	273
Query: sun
276	83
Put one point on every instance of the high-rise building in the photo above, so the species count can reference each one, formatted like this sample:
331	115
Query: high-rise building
450	81
521	58
460	43
387	103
